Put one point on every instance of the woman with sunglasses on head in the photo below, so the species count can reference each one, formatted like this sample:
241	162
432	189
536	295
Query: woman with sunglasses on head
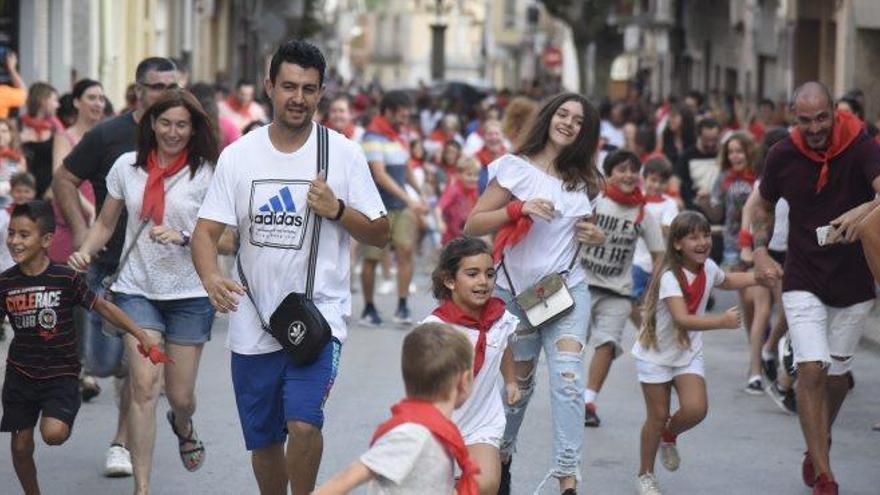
537	203
161	185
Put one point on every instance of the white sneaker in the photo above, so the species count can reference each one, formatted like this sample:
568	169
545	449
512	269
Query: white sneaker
669	456
118	463
646	484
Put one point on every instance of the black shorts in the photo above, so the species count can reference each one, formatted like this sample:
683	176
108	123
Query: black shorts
778	256
25	398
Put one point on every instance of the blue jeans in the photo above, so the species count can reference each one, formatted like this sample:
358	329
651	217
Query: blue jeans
567	382
102	354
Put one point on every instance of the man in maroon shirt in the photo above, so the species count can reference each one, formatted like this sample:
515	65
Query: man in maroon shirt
828	169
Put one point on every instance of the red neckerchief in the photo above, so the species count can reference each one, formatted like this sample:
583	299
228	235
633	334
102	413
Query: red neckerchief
39	124
10	154
416	163
487	156
439	135
444	430
741	175
635	198
238	107
847	128
654	198
380	125
513	231
693	292
154	192
347	131
451	313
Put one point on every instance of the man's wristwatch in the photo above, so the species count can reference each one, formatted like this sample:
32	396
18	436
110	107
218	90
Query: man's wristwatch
341	211
186	238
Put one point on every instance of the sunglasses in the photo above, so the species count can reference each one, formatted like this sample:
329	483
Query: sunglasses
159	86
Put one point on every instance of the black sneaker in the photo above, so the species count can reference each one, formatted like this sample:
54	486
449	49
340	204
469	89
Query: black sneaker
786	356
504	486
768	366
89	388
591	419
570	491
370	317
402	316
782	398
755	386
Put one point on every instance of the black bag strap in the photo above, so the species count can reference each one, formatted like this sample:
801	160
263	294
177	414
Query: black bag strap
574	259
323	166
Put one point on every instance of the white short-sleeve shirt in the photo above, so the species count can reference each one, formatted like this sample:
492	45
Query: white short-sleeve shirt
153	270
262	191
481	418
664	212
550	246
668	352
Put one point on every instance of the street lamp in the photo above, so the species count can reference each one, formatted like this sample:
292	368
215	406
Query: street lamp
438	49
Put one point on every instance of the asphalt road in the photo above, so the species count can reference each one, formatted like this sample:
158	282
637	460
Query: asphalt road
745	446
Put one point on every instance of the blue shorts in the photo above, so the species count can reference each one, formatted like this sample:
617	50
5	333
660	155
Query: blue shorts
641	280
270	391
180	321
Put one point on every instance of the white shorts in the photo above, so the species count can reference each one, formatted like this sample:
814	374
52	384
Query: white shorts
608	319
658	373
819	331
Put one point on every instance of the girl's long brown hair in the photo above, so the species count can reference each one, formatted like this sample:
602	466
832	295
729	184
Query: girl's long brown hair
576	163
685	223
748	146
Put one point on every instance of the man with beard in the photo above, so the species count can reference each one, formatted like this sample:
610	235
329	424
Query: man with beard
266	184
828	169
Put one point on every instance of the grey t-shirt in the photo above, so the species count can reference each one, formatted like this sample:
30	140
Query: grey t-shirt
609	265
408	460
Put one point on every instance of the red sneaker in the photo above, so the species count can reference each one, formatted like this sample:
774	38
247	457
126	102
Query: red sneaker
825	485
807	471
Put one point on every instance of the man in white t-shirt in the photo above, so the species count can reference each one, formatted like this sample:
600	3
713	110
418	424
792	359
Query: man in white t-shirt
266	185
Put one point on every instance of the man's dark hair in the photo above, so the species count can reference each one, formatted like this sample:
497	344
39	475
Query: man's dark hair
767	102
301	53
38	212
244	82
394	100
707	123
156	64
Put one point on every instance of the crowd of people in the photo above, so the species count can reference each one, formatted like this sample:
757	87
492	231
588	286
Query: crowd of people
553	224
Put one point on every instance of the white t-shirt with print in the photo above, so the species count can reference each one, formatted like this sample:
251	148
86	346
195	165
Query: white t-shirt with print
664	212
609	265
668	352
408	460
153	270
262	191
481	417
550	246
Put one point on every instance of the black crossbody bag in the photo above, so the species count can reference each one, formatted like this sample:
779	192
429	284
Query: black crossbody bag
297	323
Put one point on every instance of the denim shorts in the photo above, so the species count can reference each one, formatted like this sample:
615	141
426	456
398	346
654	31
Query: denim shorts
180	321
270	391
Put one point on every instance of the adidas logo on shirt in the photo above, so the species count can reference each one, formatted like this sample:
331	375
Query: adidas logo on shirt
279	210
278	213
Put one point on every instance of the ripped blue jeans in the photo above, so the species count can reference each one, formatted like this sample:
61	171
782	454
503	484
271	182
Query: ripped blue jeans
567	382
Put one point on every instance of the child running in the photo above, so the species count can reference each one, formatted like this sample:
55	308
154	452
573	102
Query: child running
42	372
729	196
413	452
459	197
464	282
620	213
656	173
668	351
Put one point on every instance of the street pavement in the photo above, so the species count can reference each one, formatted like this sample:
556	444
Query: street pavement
746	445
